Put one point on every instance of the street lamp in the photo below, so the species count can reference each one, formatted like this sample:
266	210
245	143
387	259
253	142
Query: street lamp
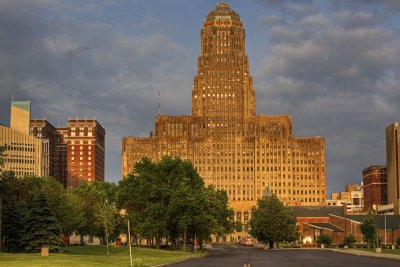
375	190
123	213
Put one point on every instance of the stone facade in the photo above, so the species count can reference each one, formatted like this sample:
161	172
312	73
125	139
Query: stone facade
232	147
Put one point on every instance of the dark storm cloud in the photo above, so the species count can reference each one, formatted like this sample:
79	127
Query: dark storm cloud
333	65
338	75
68	66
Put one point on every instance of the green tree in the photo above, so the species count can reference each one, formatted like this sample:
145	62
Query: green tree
65	206
398	241
273	222
95	212
183	210
106	217
324	239
15	216
89	198
217	212
350	239
368	229
169	199
12	192
71	215
41	226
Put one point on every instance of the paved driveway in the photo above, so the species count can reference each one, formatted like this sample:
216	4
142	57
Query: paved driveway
240	256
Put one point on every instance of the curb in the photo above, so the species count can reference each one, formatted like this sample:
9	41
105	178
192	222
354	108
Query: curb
367	254
183	260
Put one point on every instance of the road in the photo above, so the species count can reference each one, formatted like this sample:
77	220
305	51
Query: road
236	255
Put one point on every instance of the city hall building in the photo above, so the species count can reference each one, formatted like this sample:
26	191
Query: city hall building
231	146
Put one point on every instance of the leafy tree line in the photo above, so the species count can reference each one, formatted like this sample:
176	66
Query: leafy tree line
167	199
37	210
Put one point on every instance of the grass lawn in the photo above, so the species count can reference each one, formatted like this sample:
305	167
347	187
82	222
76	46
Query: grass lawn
80	256
387	251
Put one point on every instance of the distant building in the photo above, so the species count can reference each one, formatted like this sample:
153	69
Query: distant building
333	221
77	151
20	116
375	187
352	198
42	129
85	151
23	154
71	154
393	165
61	156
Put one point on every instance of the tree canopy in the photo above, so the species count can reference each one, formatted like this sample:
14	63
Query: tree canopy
165	199
368	229
87	210
169	199
273	222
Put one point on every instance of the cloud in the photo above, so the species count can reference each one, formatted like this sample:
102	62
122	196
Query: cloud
80	67
338	75
270	20
332	65
292	7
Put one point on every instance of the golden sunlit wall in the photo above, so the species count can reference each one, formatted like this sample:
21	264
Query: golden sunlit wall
20	116
23	154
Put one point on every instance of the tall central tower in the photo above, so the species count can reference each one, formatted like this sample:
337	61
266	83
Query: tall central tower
223	88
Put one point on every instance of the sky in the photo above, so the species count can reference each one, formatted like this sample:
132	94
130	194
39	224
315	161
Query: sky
334	66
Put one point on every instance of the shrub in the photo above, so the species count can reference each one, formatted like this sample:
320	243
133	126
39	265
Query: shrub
350	239
324	239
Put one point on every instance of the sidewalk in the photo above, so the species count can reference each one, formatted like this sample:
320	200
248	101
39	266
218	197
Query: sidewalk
367	253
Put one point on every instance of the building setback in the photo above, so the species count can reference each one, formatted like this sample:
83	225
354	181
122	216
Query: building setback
393	165
233	148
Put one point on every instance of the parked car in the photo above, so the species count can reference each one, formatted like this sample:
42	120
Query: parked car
246	241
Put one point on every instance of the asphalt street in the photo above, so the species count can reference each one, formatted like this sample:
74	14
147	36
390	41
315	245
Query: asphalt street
237	255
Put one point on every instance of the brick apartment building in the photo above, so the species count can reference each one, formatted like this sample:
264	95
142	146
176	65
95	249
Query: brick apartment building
76	152
375	187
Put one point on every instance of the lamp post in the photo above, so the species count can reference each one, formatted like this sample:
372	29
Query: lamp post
123	213
377	220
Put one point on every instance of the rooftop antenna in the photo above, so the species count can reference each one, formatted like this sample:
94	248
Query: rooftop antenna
158	103
12	96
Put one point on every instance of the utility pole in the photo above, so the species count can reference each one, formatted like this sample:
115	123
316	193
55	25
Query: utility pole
377	219
1	217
